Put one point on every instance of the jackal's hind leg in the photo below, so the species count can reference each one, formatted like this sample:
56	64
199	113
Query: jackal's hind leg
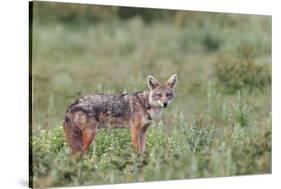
88	134
73	137
80	130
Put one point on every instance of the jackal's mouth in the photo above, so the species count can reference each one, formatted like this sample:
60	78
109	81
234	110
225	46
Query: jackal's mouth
160	103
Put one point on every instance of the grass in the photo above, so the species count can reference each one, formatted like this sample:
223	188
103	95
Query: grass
206	132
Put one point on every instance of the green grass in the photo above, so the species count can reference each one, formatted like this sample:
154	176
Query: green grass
206	132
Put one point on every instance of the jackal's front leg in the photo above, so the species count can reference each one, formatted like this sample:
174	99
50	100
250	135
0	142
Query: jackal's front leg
138	137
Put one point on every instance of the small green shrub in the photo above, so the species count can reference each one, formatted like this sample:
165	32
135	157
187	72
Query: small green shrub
241	113
237	113
233	74
211	42
246	51
199	138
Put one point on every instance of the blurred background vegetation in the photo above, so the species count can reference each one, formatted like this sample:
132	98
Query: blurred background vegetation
219	124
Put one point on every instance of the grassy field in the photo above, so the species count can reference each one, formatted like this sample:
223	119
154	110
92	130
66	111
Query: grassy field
218	125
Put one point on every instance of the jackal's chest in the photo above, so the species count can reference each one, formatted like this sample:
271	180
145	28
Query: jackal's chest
155	114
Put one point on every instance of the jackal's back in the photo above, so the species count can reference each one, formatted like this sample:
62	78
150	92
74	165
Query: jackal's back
100	105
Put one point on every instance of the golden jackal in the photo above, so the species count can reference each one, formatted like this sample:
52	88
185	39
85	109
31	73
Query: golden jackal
135	111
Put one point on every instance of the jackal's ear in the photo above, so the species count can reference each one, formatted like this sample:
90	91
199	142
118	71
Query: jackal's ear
172	81
152	82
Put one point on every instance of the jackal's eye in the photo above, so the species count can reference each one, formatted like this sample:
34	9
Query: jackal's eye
158	95
168	94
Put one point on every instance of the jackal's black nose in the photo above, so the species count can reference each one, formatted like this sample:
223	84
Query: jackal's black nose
165	105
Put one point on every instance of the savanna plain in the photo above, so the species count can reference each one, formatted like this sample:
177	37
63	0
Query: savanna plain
218	125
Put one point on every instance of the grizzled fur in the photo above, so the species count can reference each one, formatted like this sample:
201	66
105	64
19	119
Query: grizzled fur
135	111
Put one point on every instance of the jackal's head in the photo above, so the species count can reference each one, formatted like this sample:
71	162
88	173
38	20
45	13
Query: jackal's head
161	95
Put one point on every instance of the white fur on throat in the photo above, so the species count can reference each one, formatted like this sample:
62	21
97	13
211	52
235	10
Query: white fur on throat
155	113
